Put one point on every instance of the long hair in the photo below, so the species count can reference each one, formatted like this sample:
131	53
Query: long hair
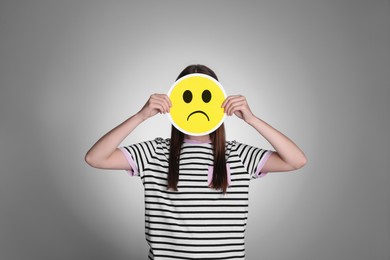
219	181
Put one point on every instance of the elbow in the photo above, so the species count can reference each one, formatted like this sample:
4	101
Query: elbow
300	163
89	160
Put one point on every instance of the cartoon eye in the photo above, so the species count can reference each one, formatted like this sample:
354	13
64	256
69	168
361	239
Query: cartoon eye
206	96
187	96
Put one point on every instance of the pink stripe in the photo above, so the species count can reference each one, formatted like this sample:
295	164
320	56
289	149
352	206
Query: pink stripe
210	174
134	170
228	174
192	141
261	164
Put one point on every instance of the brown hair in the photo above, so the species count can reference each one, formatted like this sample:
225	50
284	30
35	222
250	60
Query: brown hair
217	137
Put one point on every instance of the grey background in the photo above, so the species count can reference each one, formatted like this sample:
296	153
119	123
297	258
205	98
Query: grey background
70	71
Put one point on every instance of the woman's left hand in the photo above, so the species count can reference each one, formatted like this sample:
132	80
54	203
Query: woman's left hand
238	105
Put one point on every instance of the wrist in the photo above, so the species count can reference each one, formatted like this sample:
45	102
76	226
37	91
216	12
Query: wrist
252	120
140	117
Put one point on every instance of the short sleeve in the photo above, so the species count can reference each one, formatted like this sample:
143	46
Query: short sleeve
140	155
253	159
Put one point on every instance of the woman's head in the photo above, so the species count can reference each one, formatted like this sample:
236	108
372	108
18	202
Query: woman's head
217	138
197	68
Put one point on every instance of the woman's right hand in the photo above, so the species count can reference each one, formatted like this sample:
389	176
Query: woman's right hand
157	103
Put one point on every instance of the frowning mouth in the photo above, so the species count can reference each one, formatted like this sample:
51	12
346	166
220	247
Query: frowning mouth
198	111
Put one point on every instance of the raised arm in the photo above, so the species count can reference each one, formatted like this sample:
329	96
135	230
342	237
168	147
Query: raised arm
105	153
287	157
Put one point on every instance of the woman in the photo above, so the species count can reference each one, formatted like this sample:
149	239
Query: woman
196	187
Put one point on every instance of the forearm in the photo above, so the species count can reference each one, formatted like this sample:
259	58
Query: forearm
287	149
107	144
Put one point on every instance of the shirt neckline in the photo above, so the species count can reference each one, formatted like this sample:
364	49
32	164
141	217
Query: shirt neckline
190	141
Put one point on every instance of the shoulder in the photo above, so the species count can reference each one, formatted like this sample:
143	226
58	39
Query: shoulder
230	147
162	144
236	147
162	141
230	144
152	145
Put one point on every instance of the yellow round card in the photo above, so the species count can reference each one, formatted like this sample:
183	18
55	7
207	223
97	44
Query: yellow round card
196	104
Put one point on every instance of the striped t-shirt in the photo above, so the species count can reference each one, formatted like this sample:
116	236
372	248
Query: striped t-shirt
195	222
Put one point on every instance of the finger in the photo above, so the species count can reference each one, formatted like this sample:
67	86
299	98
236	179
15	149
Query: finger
228	99
157	106
163	102
168	103
225	101
228	103
235	109
160	103
233	101
168	100
239	105
240	108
